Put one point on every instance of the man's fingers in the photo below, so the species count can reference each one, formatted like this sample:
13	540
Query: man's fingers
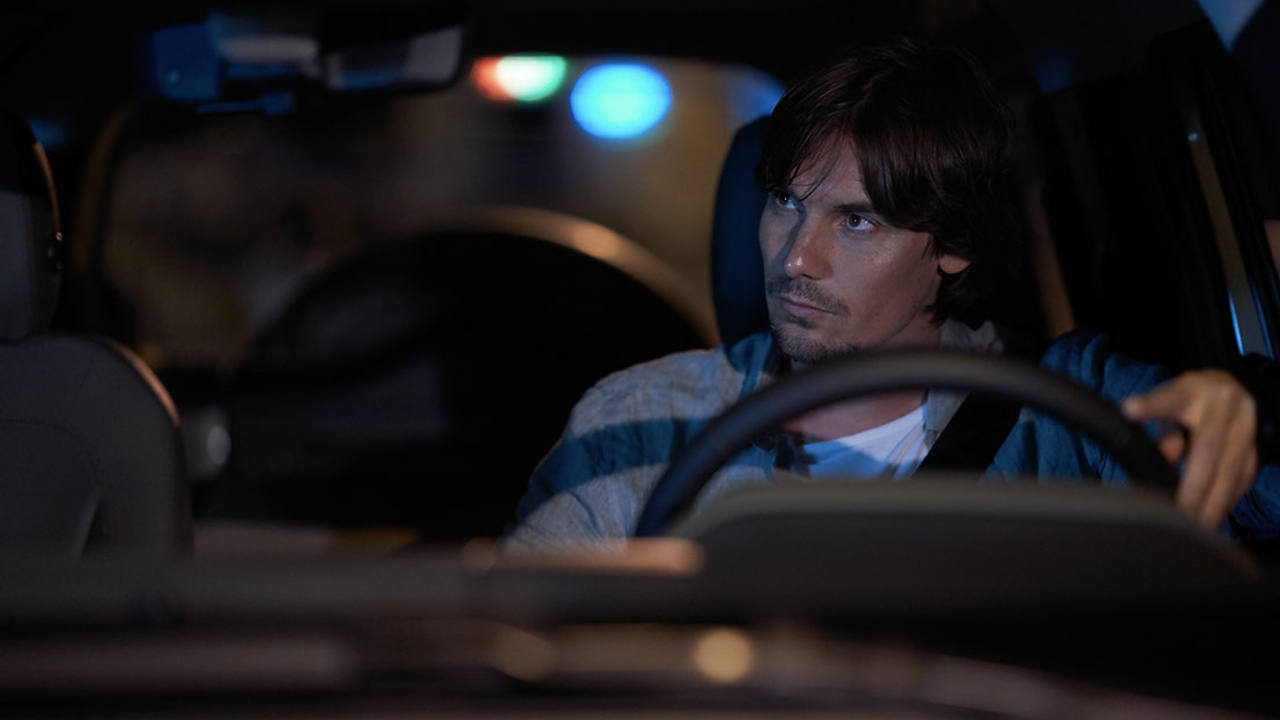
1204	460
1230	482
1171	401
1220	441
1238	463
1173	446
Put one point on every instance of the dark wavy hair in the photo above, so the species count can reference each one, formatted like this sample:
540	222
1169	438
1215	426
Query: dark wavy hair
933	141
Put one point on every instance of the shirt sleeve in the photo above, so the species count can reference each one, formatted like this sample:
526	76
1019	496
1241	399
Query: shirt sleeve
1088	360
1044	446
591	486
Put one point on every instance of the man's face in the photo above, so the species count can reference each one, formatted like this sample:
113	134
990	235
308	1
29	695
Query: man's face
838	278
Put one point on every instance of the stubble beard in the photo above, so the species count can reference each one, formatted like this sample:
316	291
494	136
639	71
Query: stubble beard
804	351
790	332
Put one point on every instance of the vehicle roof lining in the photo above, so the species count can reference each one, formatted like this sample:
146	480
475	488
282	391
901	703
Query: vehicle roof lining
1062	45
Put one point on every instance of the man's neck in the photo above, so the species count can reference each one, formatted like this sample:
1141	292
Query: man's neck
840	420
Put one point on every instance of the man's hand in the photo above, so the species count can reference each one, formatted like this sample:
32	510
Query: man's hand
1220	444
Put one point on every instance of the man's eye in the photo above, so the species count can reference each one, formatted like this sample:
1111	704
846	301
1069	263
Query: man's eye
784	199
859	223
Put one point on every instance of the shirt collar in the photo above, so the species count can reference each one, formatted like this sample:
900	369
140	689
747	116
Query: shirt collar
939	406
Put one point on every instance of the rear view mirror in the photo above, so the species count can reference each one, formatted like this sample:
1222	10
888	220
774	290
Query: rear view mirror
429	60
265	61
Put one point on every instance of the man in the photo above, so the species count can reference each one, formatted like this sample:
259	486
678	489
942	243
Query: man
888	216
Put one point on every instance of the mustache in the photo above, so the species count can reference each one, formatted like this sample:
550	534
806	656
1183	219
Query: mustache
804	291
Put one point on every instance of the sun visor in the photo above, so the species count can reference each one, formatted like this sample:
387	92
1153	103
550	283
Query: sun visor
30	245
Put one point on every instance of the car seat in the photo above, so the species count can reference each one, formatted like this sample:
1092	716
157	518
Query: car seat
89	452
417	386
737	270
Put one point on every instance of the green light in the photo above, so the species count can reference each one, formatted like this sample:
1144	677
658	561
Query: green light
530	78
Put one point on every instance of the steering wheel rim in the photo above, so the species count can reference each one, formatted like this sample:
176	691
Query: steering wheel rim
1028	385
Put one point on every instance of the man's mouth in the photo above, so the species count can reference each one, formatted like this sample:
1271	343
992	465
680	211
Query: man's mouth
800	300
801	308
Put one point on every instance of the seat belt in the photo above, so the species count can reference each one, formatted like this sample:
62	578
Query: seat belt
978	429
973	436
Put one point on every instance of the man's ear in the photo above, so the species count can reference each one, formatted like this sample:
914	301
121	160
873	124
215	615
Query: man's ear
952	264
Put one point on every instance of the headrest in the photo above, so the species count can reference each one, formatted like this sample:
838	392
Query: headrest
737	270
30	264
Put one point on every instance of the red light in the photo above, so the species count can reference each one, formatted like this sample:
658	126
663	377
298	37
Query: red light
484	75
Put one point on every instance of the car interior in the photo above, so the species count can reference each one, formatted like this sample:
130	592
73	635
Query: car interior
296	296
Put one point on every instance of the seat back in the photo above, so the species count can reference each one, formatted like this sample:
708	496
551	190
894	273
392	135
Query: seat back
89	450
418	385
737	270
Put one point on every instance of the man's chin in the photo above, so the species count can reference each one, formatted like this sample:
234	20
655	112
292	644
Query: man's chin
807	351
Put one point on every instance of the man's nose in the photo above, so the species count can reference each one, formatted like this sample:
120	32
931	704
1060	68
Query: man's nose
809	253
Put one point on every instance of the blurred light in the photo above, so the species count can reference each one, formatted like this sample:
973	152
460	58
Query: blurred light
484	75
530	78
524	78
752	95
620	101
724	655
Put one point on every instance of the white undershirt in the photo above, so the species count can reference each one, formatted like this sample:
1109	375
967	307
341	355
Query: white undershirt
894	449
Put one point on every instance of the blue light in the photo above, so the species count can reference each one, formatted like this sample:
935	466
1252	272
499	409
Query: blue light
751	95
620	101
1235	325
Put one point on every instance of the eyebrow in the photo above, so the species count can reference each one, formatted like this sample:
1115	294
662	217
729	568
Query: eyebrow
856	208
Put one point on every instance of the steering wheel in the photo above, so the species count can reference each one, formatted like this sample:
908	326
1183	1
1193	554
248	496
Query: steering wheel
1028	385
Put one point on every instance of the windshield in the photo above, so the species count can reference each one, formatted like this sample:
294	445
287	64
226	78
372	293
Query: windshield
200	261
